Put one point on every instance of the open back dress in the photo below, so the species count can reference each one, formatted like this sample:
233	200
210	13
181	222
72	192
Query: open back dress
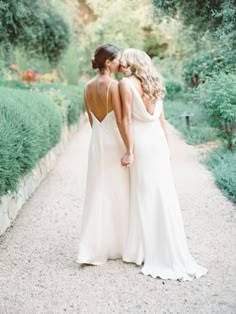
106	207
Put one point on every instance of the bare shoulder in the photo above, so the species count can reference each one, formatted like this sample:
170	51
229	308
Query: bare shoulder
124	85
114	86
124	82
90	83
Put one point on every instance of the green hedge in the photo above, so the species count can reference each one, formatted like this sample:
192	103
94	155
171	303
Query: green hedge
222	164
68	96
71	97
173	87
218	99
202	66
30	125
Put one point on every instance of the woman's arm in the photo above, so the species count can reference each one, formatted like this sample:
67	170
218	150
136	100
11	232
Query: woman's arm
126	99
87	108
163	124
117	107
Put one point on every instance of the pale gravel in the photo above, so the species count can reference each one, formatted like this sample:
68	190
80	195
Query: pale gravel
38	270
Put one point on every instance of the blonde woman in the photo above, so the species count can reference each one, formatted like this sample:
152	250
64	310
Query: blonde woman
156	236
106	208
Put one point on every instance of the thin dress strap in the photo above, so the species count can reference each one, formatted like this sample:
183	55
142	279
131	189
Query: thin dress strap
107	97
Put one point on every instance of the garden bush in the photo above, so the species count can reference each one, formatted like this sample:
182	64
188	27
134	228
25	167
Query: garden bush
173	87
71	97
35	26
30	125
222	164
202	66
68	97
218	98
199	131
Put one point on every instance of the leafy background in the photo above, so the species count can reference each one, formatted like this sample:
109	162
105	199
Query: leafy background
192	44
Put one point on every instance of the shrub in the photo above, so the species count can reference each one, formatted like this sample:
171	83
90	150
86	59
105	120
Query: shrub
218	97
202	66
172	88
70	96
199	131
30	125
53	39
35	26
222	164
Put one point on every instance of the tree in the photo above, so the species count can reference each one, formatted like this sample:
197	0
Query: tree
35	26
198	13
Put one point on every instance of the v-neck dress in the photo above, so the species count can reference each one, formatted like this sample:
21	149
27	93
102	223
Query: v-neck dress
105	214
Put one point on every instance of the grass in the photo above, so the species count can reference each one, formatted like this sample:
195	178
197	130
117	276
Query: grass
221	162
199	131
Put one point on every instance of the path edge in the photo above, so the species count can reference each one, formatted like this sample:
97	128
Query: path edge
12	203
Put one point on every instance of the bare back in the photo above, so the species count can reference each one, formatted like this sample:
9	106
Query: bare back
98	98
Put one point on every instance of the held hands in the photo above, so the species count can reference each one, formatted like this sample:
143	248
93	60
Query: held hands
127	159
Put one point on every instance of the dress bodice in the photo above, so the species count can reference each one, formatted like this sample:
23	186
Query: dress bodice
108	122
139	111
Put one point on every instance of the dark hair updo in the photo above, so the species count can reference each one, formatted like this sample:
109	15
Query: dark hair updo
102	53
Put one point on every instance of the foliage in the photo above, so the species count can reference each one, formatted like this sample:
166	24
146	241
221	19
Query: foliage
214	30
214	20
13	84
218	97
30	125
110	24
153	44
53	39
226	33
199	131
173	87
68	97
35	26
202	66
222	164
197	13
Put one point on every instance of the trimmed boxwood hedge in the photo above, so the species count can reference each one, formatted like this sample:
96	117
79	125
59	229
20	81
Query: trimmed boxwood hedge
30	125
73	94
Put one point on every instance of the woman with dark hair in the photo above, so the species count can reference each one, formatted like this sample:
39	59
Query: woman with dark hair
105	215
156	236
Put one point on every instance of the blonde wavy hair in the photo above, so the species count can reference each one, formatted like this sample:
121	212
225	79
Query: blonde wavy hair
136	62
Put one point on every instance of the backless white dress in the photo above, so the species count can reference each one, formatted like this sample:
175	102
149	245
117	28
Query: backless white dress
156	236
106	208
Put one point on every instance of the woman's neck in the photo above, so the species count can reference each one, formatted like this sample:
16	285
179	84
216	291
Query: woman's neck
105	73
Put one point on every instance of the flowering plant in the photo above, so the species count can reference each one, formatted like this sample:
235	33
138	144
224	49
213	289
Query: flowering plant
48	77
28	76
14	67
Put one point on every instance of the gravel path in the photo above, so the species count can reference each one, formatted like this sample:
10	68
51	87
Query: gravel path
38	272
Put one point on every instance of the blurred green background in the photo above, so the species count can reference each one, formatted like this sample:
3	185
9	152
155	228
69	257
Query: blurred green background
46	47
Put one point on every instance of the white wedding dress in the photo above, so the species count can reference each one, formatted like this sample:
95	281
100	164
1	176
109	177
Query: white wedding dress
106	208
156	236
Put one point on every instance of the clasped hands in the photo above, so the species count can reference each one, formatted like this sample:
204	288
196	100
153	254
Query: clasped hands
127	159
